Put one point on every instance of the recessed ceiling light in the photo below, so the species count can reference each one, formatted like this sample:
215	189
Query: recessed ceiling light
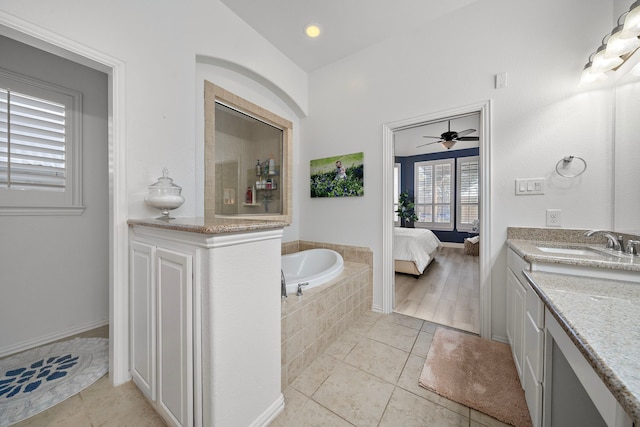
312	30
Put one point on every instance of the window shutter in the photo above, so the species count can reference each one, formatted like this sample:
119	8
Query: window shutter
32	143
468	190
433	193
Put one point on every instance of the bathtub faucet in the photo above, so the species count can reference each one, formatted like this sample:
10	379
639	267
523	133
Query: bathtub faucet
300	285
283	285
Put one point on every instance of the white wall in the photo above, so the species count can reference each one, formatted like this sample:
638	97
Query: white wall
159	43
54	270
537	120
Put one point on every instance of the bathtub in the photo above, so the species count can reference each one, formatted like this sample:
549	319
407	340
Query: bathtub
314	266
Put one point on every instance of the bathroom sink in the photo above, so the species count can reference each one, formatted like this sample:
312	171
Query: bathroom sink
567	251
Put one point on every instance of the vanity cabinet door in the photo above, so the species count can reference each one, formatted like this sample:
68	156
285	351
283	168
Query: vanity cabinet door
175	332
142	347
518	312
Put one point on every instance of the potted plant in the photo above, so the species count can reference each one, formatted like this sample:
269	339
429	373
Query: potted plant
406	209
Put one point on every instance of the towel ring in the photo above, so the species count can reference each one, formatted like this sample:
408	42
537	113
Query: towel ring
565	162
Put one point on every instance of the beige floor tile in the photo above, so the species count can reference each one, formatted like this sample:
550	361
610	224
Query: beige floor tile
293	401
422	344
393	334
314	415
409	381
408	410
363	324
67	413
408	321
354	395
485	420
378	359
315	374
343	345
429	327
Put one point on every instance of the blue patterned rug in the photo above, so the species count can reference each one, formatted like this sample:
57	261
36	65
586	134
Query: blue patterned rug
37	379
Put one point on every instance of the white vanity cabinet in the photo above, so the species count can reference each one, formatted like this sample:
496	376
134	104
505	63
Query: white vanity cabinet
161	329
525	321
205	321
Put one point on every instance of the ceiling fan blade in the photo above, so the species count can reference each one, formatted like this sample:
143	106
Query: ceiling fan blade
465	132
469	138
427	143
436	137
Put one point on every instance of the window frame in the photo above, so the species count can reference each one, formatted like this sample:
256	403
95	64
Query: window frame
460	226
41	202
436	225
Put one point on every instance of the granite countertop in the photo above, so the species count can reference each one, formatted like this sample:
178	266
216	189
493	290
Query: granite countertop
602	318
210	226
598	258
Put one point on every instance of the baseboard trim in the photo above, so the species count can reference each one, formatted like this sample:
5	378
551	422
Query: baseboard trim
270	414
46	339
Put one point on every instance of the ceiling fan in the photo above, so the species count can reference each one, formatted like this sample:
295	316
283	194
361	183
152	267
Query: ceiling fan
449	138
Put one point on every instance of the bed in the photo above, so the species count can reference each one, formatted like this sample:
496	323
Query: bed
414	249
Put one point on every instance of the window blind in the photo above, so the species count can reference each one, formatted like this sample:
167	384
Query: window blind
32	143
468	188
433	193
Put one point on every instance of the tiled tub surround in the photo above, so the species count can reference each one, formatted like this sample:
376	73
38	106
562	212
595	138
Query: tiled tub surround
600	315
312	322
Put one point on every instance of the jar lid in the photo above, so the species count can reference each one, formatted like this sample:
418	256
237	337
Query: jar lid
165	183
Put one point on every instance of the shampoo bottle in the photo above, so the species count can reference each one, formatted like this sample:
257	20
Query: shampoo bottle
272	165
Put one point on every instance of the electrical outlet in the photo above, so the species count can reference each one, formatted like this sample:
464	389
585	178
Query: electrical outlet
554	217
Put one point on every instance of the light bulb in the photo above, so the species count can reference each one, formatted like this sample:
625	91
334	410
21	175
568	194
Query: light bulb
632	21
312	30
601	63
589	77
618	45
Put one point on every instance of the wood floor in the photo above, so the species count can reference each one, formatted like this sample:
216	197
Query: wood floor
448	292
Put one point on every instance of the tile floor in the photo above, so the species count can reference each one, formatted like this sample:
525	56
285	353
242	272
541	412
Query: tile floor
368	377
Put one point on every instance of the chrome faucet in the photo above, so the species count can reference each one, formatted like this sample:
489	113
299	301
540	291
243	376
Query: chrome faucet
300	285
283	285
612	242
633	247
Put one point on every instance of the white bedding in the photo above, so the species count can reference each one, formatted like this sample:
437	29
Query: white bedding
416	245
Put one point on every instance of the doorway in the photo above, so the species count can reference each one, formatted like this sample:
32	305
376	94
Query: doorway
22	31
389	275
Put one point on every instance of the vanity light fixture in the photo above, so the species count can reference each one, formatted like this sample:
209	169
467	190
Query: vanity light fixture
589	76
616	47
312	31
603	63
632	21
619	45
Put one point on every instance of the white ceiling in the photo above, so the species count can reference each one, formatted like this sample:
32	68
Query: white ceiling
348	26
406	141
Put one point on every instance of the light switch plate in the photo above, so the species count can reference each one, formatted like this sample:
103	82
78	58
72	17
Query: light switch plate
531	186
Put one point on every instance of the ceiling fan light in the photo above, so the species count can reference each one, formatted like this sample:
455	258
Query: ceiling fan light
448	144
618	45
602	64
632	21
